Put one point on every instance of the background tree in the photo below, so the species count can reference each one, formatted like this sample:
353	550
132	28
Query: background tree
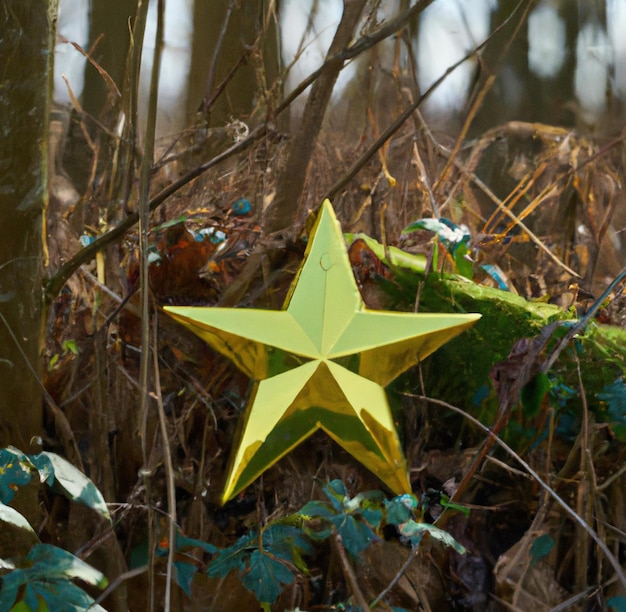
26	47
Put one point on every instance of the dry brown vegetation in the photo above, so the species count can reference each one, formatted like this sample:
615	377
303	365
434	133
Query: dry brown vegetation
524	190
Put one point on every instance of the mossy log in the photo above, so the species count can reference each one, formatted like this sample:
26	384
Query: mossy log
461	371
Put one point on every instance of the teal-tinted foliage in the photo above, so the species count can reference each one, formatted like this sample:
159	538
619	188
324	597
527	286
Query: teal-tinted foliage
266	559
455	238
42	580
359	520
613	403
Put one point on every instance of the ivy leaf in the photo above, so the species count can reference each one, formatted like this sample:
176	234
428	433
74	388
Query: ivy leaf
445	502
61	475
15	471
232	557
356	535
266	577
336	492
287	542
184	573
13	517
317	509
368	505
400	509
46	575
40	596
414	532
350	517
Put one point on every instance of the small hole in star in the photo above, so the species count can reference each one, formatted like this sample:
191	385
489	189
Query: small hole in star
325	262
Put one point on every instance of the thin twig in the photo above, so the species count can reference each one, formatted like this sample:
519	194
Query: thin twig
137	571
144	283
363	44
401	120
55	284
559	500
282	213
576	329
216	53
518	222
348	571
169	472
405	566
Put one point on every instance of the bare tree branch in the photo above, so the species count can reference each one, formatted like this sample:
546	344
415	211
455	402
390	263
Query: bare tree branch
283	210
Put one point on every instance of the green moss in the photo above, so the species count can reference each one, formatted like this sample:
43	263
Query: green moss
459	371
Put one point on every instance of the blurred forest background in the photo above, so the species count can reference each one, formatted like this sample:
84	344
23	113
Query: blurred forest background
120	194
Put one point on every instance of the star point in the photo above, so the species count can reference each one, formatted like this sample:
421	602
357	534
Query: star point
320	363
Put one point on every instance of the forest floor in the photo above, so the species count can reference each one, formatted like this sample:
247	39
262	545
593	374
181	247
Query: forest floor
533	211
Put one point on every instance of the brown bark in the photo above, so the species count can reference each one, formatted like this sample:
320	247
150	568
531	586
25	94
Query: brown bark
284	210
25	53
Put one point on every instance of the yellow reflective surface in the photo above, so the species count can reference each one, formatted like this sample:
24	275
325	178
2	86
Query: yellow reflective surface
320	363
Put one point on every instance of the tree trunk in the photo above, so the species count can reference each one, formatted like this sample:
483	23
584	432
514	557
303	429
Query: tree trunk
283	211
26	52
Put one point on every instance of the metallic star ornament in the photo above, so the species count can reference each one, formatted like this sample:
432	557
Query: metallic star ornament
320	363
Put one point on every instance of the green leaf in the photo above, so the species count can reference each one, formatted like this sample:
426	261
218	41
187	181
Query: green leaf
184	573
60	474
317	509
287	542
355	534
13	517
70	346
63	596
336	492
414	532
319	534
429	224
400	509
368	500
463	262
183	542
445	502
53	562
170	223
434	264
22	606
452	236
266	577
47	572
232	557
372	516
541	547
391	255
15	471
53	361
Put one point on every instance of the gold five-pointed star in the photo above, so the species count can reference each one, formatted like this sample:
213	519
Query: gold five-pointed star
320	363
